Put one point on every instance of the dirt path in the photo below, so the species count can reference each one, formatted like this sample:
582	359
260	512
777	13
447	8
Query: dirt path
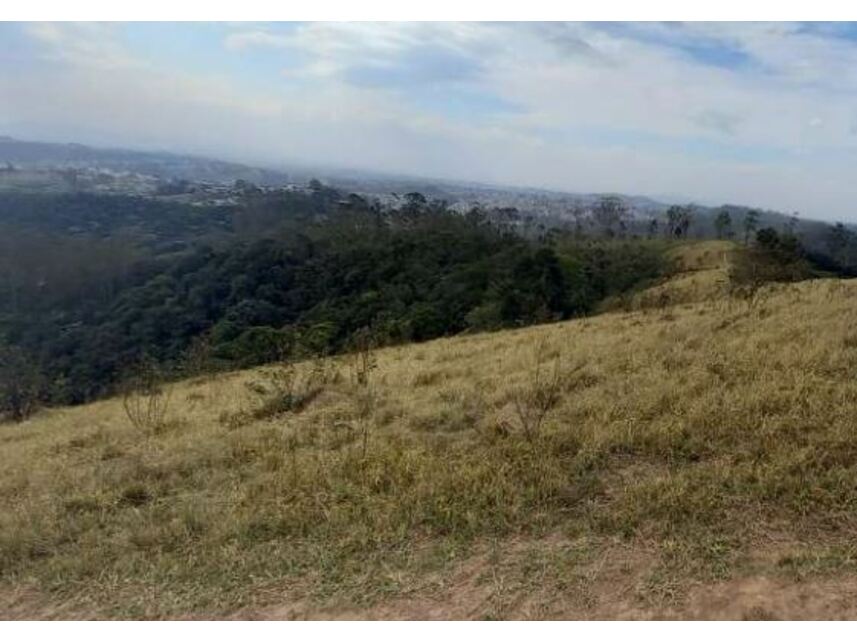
619	583
551	578
755	598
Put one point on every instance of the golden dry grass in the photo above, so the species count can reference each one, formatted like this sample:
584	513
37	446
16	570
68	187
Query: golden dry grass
702	274
692	445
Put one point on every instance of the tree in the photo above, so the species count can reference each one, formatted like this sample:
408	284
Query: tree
415	207
653	228
20	384
792	223
751	224
838	238
610	213
723	224
773	257
415	201
678	220
241	185
578	214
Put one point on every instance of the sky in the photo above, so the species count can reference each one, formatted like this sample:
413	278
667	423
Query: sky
760	114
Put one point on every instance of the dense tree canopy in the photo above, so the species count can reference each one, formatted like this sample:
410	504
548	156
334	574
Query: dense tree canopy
90	283
315	265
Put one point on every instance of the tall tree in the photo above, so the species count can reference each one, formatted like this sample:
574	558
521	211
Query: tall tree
678	220
723	224
751	224
611	213
653	228
838	238
792	223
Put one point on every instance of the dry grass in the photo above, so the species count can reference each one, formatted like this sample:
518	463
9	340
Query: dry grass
702	275
690	439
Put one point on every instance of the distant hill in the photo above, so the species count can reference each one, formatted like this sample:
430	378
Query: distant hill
164	165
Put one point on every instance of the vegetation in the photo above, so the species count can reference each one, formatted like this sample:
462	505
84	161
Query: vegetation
380	442
723	224
539	394
146	397
304	271
288	404
679	219
21	385
773	258
701	444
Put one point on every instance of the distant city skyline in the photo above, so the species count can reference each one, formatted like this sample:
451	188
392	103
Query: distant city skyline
762	114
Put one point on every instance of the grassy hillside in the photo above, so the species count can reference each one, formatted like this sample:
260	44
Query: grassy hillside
702	273
692	458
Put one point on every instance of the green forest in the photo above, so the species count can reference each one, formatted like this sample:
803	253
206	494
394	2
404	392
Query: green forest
90	284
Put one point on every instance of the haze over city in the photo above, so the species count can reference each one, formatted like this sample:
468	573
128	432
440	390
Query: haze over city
758	114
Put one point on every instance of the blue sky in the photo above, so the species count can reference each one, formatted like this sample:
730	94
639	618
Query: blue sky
757	113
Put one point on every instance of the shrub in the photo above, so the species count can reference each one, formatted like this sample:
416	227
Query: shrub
535	399
363	362
773	258
20	384
146	396
283	387
198	359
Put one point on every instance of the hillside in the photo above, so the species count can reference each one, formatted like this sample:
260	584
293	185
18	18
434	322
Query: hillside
702	273
691	456
89	285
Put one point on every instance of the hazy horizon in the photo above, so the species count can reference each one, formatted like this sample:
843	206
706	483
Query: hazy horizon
749	113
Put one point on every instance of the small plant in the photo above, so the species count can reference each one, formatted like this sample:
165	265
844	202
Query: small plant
363	357
363	362
750	293
197	359
538	396
145	396
283	387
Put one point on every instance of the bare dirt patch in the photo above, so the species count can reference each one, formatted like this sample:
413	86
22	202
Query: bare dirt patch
615	584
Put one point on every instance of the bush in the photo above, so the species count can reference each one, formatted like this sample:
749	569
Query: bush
540	393
283	388
772	258
145	396
362	363
20	384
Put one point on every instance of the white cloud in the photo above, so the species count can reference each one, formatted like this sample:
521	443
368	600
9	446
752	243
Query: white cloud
241	40
93	45
634	110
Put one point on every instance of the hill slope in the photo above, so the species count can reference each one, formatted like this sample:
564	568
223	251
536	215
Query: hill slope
694	459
